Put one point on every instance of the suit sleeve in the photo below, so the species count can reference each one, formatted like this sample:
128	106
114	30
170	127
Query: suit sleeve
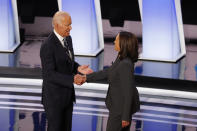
100	75
48	69
126	81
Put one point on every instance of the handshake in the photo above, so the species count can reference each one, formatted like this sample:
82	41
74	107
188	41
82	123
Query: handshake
80	79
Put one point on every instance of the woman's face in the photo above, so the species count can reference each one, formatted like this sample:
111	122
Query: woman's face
117	43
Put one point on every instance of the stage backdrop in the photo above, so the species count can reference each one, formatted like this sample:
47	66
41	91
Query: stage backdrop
9	28
86	30
162	35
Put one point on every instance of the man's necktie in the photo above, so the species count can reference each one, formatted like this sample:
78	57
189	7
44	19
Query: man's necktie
67	47
66	43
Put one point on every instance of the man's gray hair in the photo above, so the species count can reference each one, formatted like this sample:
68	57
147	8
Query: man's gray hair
58	17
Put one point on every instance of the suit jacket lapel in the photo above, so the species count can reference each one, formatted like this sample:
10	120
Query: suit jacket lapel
71	50
65	51
60	47
69	40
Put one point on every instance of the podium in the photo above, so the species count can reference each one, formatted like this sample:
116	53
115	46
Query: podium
87	31
9	27
162	34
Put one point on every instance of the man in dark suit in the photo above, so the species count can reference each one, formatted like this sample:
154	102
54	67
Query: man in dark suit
59	71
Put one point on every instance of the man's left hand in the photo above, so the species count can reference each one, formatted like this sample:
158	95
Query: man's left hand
84	69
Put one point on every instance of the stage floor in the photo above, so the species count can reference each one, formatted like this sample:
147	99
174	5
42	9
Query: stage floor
20	110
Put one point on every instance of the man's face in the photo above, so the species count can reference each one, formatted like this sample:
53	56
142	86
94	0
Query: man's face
65	26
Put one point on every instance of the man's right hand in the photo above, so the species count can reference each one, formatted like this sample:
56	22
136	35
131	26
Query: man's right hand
79	79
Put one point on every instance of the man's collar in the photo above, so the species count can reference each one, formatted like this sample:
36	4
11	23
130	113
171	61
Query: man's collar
58	36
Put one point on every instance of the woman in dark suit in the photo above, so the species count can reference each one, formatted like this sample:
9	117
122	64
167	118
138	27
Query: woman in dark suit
122	97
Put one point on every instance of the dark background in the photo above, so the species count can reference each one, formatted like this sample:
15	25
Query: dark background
115	10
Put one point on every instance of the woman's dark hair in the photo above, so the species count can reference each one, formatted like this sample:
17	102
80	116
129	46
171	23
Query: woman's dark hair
128	46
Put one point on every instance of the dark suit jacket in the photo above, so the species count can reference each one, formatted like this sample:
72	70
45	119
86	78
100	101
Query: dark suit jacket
122	96
58	72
